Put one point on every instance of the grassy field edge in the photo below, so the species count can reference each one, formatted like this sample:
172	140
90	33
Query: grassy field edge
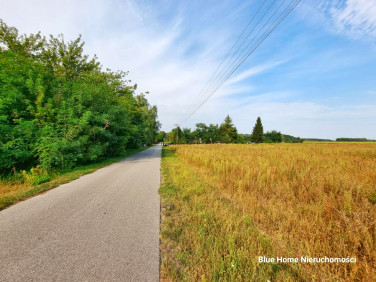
203	233
25	191
223	206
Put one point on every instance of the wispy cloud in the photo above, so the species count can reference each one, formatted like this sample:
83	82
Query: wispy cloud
254	71
356	17
353	18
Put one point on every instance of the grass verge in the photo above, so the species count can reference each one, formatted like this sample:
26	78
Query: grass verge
12	192
205	237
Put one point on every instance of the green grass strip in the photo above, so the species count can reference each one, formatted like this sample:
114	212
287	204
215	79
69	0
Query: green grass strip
63	177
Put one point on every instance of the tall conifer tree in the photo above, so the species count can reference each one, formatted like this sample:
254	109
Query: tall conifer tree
258	132
228	132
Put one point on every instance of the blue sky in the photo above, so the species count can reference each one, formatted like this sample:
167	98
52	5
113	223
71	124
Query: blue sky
313	77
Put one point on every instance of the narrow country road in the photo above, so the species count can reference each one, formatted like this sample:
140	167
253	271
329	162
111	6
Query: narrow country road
101	227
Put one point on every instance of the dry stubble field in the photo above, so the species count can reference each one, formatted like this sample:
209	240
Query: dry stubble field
225	205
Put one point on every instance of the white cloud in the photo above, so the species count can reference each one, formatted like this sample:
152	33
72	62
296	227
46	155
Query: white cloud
51	17
254	71
357	17
353	18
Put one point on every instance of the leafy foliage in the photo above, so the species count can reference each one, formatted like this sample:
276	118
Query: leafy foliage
59	109
205	134
273	136
291	139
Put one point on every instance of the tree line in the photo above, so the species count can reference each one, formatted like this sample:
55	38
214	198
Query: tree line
226	132
59	109
346	139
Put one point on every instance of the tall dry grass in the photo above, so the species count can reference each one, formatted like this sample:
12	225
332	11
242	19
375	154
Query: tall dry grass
309	199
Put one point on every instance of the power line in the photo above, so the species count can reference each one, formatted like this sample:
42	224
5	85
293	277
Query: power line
214	77
225	68
229	69
252	50
238	58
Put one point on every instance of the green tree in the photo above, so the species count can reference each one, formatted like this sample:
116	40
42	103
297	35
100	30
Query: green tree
227	131
213	133
58	109
161	136
175	135
258	132
185	136
273	136
207	133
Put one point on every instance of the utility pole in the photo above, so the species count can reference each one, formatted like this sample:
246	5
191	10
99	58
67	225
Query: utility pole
177	133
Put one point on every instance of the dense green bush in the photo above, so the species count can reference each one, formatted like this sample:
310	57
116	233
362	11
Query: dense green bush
273	136
59	109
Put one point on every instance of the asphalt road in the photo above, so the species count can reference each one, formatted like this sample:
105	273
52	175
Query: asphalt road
103	226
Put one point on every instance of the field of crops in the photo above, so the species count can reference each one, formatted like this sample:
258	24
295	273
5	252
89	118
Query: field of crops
226	205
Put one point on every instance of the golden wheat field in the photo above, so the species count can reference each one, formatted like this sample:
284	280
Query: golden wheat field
305	200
